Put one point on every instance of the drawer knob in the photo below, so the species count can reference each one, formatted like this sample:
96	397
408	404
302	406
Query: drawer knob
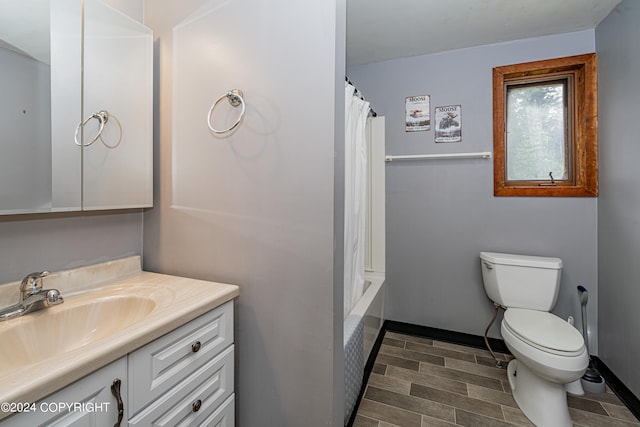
195	347
196	405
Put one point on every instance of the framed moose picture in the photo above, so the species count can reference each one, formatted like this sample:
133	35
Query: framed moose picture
448	123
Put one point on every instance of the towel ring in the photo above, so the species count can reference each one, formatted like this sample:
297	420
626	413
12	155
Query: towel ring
235	97
102	116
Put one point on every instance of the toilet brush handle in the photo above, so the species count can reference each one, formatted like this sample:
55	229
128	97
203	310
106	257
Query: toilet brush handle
584	327
584	297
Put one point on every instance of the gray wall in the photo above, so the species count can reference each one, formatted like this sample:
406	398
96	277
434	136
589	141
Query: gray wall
60	241
617	41
256	208
442	213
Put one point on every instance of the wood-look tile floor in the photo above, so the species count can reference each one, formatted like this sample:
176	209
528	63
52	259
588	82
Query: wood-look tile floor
425	383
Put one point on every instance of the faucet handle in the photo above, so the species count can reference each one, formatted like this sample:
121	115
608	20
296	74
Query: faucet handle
32	282
54	297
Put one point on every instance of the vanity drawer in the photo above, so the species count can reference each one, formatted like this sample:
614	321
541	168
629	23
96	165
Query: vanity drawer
196	400
224	416
160	365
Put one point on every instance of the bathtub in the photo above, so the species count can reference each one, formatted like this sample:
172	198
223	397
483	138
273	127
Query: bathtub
370	308
361	328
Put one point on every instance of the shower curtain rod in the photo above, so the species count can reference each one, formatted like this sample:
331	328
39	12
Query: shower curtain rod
359	95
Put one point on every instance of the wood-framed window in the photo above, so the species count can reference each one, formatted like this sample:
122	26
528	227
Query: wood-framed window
545	128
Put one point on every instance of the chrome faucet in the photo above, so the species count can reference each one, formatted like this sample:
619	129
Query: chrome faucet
32	297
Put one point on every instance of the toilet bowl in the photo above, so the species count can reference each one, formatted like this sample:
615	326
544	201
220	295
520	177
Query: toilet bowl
549	352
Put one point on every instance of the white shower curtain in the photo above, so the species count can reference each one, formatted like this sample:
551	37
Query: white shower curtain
356	113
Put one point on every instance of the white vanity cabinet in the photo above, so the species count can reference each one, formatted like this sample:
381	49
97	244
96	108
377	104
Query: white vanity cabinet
184	378
87	402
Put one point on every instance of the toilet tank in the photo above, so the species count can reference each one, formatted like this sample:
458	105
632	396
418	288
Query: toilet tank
521	281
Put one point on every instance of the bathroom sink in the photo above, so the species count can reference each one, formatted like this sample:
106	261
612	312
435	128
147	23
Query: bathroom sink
109	310
77	323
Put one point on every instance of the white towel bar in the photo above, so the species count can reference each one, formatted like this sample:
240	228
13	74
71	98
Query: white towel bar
482	155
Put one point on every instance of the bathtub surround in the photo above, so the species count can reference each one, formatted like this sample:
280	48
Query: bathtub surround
361	331
353	362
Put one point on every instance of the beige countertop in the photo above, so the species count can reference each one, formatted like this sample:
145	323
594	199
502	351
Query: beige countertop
174	301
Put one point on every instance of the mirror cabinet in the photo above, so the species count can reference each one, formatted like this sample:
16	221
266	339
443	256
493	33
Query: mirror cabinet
76	111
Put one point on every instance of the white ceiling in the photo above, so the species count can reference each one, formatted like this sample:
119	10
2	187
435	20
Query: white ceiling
379	30
24	27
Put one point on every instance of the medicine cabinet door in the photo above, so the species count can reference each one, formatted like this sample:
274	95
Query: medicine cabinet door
117	137
40	105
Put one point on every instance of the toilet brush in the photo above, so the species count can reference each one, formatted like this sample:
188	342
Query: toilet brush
591	380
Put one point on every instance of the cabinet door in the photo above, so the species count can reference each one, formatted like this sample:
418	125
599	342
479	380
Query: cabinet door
117	79
87	402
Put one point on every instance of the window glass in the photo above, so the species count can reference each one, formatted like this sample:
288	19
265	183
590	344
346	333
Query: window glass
536	132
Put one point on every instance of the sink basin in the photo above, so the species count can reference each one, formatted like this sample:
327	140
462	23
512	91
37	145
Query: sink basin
38	336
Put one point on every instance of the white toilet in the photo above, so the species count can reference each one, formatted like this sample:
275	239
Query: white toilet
549	352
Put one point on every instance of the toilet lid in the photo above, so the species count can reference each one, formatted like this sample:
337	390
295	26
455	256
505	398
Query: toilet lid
544	329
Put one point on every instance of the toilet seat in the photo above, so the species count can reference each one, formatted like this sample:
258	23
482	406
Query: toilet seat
544	331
